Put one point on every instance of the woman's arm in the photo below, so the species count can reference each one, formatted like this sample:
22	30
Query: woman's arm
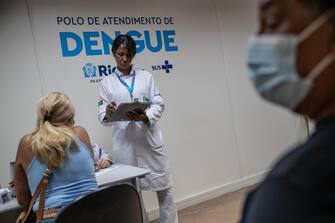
155	111
84	137
23	158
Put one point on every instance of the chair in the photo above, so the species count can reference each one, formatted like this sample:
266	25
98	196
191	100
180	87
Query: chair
118	204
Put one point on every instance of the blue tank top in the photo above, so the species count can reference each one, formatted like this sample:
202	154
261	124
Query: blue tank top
73	178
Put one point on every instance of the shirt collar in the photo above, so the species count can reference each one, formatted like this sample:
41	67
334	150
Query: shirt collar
132	72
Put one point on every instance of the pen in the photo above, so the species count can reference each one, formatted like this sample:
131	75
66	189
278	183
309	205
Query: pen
104	99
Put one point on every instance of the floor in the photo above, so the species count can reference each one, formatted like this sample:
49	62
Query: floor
224	209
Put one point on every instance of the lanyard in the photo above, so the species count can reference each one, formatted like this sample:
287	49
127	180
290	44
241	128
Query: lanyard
131	88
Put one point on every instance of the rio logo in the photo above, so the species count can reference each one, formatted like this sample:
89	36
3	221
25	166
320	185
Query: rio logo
91	71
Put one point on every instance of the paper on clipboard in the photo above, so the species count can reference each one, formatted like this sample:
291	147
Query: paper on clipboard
123	108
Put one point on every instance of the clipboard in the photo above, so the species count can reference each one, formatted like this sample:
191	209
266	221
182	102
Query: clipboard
123	108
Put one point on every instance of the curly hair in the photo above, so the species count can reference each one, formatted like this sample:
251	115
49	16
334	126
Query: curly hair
53	133
127	41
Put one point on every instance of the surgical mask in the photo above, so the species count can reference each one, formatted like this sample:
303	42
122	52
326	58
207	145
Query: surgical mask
272	66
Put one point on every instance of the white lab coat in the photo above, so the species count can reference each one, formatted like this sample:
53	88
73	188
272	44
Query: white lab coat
137	143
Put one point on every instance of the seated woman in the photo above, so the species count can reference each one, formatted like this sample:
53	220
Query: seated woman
57	144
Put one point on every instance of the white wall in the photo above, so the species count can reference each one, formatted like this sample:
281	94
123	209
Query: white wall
19	79
220	135
260	128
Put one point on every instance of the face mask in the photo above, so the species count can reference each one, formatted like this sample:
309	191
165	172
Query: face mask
272	66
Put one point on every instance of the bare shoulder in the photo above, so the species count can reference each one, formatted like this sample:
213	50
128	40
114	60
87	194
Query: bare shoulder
82	134
25	144
24	151
79	130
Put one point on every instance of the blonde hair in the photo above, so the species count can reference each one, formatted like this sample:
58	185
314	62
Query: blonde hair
53	133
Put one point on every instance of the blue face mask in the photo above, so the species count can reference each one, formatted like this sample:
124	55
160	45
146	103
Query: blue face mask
272	66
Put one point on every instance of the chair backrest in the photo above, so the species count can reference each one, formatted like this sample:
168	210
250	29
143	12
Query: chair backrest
118	203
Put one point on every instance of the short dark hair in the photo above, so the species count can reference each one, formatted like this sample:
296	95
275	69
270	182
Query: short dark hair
321	5
127	41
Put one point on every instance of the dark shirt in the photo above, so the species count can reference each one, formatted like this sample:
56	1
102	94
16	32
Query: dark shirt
301	185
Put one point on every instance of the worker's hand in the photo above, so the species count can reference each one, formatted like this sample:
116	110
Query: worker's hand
11	184
104	163
137	115
110	109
